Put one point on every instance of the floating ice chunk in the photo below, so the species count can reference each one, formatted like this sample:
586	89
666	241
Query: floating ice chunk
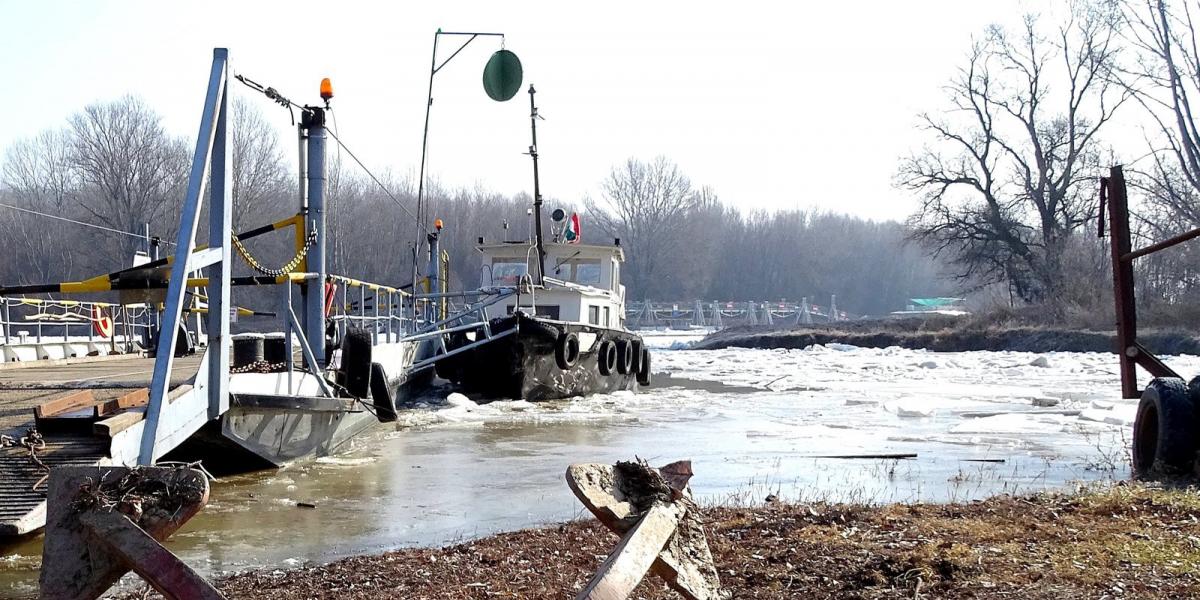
344	461
861	402
1121	415
1011	423
841	347
459	400
929	364
910	408
1040	361
1046	401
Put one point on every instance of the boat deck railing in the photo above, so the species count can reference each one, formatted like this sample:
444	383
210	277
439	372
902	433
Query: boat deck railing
36	328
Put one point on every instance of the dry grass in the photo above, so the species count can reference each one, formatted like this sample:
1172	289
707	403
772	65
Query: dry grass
1125	541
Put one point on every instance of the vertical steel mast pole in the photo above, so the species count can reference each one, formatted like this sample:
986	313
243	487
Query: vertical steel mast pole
313	120
537	190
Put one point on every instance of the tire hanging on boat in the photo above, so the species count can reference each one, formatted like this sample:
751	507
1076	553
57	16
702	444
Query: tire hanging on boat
606	357
643	372
356	362
636	346
624	357
566	350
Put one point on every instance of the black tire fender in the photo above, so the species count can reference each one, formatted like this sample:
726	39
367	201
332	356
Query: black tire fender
643	372
606	357
1164	432
566	350
356	362
624	357
636	350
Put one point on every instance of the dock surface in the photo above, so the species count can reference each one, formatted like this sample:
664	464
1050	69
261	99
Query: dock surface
22	473
23	389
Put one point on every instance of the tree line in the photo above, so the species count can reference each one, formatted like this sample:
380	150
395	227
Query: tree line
1006	172
113	165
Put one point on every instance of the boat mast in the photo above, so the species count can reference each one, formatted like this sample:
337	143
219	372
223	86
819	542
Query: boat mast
537	191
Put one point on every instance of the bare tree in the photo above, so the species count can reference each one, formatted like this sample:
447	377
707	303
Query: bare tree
260	174
130	169
646	205
1006	181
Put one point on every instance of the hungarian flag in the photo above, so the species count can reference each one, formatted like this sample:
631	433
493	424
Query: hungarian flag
572	233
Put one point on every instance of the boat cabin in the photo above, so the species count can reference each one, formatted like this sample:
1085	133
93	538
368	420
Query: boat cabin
582	282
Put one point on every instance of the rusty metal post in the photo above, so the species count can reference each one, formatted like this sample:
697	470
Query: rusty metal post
1123	296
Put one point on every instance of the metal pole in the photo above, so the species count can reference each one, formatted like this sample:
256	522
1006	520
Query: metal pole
1118	213
424	147
185	244
537	190
432	271
220	228
313	120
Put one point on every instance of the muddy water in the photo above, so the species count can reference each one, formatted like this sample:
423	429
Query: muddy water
454	469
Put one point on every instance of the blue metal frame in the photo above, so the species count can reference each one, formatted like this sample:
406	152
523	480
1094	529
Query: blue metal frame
210	142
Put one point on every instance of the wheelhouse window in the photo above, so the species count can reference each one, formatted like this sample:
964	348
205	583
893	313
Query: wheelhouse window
594	314
584	271
508	271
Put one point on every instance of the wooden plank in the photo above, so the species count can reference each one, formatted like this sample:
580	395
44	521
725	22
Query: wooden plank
73	401
170	576
628	564
117	423
685	564
134	399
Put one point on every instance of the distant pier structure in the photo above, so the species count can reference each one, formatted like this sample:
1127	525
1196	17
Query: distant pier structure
696	314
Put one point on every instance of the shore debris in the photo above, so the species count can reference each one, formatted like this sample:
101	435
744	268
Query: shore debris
659	524
103	522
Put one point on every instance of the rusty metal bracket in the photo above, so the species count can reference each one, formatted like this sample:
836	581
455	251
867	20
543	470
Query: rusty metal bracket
1130	353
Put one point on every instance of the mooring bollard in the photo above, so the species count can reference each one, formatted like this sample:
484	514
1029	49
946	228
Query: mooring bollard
103	522
652	510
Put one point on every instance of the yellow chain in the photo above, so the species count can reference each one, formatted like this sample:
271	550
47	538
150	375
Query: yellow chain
285	269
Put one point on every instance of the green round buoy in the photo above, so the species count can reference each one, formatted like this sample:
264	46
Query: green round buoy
502	76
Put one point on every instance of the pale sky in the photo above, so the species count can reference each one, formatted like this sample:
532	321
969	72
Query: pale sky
774	105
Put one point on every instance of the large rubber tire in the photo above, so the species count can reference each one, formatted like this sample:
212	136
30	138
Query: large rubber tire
624	357
356	362
566	351
1164	433
643	372
606	358
1194	388
538	328
636	346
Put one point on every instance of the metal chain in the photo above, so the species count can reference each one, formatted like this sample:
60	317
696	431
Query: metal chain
285	269
258	366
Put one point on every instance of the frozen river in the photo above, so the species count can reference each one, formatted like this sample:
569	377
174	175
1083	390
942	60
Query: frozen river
754	422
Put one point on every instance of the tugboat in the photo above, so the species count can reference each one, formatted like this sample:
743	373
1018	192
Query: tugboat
568	314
